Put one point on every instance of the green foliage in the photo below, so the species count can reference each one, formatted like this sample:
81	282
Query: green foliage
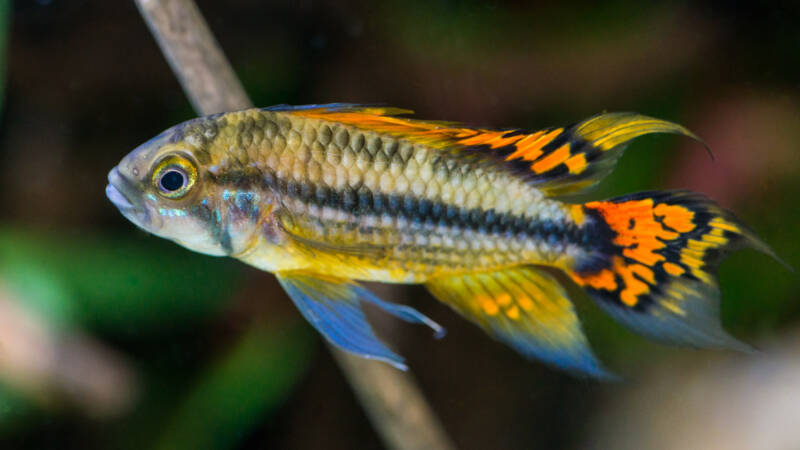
111	282
130	287
14	408
239	390
467	32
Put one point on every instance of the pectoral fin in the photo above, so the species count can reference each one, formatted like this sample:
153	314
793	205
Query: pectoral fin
333	307
525	308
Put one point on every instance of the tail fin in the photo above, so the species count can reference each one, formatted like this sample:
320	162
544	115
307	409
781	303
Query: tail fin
654	262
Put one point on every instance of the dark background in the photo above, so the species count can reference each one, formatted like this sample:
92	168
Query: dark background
110	338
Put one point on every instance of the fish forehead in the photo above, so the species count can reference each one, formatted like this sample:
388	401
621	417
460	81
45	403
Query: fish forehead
192	137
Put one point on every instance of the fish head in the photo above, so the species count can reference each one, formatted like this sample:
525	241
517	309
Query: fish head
163	186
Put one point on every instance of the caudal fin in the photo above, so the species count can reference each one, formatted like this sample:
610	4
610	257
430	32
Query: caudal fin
654	262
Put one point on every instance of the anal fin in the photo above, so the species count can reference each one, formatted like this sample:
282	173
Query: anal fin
333	307
525	308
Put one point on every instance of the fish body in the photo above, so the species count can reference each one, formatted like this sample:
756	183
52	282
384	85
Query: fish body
323	195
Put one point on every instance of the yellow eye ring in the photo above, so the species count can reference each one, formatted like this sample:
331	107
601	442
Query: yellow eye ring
174	177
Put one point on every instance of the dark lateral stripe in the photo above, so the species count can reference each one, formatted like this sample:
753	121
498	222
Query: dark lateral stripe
364	202
213	219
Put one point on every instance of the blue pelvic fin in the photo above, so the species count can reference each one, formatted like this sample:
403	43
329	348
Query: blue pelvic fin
333	307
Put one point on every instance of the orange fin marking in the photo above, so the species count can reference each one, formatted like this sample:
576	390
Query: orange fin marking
576	164
604	279
636	228
555	158
502	142
673	269
631	276
488	305
494	139
643	273
523	146
485	137
534	149
676	217
633	286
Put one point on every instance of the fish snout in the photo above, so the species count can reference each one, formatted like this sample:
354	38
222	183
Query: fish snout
116	190
128	199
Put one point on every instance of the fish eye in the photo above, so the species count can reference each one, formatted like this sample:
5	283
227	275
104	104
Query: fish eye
174	176
172	180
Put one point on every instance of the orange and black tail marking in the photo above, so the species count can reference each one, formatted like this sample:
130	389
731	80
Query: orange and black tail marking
653	260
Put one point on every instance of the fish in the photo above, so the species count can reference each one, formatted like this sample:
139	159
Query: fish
328	196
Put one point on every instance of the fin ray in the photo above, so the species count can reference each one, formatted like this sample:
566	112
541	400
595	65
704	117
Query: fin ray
333	307
525	308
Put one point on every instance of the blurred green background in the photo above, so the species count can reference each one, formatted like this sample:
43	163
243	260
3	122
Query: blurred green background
110	338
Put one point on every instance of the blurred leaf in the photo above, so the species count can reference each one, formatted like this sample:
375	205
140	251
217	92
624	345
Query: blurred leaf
267	86
440	27
111	282
14	408
240	389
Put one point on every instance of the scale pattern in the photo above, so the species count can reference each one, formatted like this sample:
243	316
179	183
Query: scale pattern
390	200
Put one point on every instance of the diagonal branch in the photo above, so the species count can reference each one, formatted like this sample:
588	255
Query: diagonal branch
391	398
194	55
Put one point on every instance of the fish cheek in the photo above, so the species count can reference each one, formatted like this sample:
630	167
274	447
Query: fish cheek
250	224
191	226
211	234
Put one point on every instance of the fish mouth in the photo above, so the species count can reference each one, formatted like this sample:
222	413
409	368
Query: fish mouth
117	198
121	192
115	191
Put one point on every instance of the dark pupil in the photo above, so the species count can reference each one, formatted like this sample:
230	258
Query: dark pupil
172	181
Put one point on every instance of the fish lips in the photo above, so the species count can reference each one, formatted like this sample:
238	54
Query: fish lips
121	192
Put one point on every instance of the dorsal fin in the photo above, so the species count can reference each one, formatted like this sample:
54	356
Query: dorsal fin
557	161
